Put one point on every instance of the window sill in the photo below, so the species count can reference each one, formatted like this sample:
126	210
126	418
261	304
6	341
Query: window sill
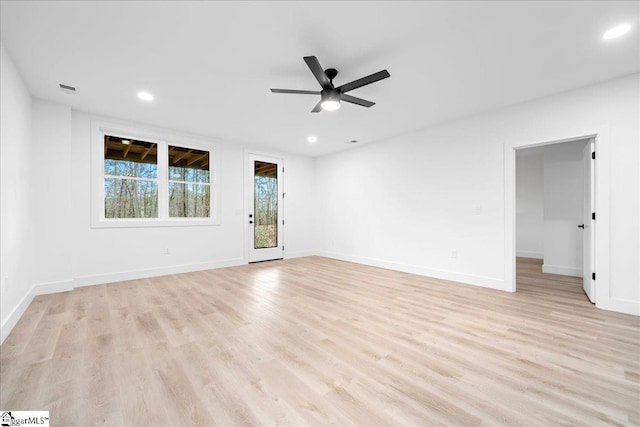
146	223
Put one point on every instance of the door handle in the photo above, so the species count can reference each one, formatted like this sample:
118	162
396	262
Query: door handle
581	226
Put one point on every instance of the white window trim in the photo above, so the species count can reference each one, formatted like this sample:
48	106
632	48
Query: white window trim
100	128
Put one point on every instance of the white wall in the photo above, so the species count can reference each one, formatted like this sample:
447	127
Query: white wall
16	172
563	208
530	203
51	194
408	202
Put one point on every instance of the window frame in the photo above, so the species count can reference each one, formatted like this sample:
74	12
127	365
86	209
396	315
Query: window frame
98	220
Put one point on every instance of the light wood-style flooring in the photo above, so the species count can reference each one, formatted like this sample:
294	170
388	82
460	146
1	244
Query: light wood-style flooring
315	341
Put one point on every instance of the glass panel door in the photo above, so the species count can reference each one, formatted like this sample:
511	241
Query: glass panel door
265	213
265	203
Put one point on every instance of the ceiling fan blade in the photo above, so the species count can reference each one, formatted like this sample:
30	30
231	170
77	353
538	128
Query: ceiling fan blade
364	81
301	92
318	72
318	107
354	100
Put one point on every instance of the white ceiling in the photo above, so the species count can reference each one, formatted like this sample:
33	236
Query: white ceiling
210	64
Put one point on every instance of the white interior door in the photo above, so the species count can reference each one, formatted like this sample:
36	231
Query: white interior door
265	208
588	263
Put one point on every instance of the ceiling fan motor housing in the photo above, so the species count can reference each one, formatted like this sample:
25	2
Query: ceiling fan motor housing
331	73
330	95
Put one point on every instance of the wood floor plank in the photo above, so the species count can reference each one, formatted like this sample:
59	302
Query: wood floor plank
226	406
139	395
176	392
314	341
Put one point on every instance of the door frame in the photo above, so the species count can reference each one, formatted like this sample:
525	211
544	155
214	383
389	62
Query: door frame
248	192
601	139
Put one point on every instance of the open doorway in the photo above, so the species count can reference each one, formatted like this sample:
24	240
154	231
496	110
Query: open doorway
554	222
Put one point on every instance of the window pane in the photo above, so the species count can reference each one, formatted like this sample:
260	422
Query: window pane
187	164
265	205
124	157
133	169
130	198
189	175
189	200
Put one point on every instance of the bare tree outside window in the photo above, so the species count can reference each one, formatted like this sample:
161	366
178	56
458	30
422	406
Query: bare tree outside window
189	183
265	205
130	178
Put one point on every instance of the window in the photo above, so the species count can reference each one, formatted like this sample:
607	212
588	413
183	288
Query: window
189	191
143	179
130	178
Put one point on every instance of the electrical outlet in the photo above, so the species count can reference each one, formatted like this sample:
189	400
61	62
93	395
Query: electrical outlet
167	251
454	254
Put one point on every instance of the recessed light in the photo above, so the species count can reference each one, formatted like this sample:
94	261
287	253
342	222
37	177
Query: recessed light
312	139
145	96
353	141
616	32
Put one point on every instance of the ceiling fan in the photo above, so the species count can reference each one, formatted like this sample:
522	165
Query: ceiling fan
330	96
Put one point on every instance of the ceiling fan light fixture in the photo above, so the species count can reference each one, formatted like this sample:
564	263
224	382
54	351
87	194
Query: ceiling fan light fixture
332	96
330	105
330	100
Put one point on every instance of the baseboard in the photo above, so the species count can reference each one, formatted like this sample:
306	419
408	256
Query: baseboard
468	279
52	288
620	305
300	254
530	254
12	319
122	276
562	270
43	289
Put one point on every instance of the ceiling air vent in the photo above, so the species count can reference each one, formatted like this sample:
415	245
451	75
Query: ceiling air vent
67	89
